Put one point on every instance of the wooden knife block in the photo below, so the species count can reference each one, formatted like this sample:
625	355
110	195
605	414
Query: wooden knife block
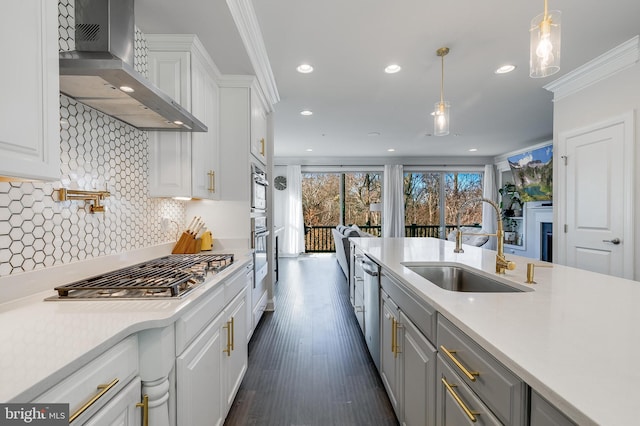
187	244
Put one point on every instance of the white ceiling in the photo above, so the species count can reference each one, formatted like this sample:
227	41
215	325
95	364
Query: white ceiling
349	44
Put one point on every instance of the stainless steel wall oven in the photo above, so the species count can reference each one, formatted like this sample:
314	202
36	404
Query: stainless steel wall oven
259	235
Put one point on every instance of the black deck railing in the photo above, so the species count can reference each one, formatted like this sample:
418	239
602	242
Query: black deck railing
319	239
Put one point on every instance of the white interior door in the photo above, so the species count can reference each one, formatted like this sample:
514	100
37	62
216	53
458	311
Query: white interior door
599	199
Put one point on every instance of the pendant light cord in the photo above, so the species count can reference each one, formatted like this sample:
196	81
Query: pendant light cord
442	83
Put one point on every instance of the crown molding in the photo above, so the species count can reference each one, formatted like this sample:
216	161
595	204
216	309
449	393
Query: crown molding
245	19
604	66
440	163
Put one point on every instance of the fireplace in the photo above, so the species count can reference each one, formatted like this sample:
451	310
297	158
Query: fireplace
546	241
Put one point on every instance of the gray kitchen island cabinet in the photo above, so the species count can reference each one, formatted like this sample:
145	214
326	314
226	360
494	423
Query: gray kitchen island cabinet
492	383
457	405
545	414
408	358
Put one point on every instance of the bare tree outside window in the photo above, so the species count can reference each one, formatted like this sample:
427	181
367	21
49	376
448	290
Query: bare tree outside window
321	199
422	198
362	190
461	187
423	209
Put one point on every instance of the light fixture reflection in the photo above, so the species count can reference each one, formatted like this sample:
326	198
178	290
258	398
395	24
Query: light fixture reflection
544	53
441	111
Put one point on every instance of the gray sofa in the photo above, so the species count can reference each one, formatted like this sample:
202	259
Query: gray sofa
341	235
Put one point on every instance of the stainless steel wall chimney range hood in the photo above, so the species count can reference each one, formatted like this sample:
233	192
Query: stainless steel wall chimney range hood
100	72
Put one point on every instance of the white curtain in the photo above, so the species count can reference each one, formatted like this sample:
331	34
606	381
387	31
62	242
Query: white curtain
488	213
393	201
293	243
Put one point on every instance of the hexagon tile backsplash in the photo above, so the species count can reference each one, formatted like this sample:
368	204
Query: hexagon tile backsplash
97	153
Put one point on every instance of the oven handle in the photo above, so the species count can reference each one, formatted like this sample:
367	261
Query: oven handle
261	234
260	180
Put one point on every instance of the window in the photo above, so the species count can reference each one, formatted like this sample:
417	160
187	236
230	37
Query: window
432	201
329	199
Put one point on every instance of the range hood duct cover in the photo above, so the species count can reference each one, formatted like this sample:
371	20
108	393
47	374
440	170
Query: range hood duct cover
103	63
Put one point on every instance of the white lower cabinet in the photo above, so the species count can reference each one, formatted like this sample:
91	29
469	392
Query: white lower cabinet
235	355
110	381
125	409
199	378
211	367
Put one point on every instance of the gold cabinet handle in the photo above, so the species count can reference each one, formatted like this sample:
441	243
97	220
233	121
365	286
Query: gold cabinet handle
262	146
233	333
393	336
212	181
471	375
103	389
472	415
145	409
228	327
396	326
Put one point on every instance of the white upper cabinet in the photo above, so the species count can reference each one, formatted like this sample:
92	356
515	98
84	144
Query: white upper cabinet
185	164
30	106
258	128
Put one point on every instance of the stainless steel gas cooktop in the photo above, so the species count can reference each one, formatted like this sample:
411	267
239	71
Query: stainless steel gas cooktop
171	276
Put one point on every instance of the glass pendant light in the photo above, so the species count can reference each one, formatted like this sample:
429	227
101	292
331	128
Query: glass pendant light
544	55
441	112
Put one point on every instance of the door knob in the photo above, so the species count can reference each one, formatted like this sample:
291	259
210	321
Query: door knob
615	241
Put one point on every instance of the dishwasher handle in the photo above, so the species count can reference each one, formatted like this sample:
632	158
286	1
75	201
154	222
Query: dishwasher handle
370	268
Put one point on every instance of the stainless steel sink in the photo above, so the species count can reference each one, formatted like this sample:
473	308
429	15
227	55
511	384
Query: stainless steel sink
455	278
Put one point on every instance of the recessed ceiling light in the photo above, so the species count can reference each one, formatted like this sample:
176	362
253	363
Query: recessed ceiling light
306	112
392	69
178	122
473	149
391	149
505	69
373	134
305	68
309	149
127	89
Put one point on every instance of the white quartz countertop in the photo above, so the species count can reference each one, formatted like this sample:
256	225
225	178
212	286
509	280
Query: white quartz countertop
44	341
575	339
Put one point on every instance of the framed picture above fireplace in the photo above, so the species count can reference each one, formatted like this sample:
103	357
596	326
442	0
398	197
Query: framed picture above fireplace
533	174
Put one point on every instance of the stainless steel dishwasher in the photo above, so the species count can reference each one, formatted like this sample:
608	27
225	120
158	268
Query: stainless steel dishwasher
372	308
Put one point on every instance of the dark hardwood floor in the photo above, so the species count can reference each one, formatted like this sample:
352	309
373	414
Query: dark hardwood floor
308	361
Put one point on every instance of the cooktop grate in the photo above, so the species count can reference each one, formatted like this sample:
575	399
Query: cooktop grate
168	276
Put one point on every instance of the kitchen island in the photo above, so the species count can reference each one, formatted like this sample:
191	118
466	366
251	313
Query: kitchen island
574	339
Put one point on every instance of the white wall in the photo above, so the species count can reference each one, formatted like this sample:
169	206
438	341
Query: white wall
605	99
227	220
279	198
